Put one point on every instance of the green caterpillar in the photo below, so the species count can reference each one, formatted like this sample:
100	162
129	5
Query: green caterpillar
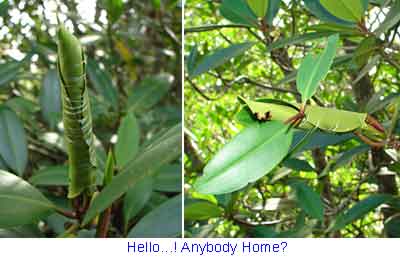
76	113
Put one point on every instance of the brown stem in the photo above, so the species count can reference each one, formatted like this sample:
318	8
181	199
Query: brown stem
104	222
68	214
369	142
374	123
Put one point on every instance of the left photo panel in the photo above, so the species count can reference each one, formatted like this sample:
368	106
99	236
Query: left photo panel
90	119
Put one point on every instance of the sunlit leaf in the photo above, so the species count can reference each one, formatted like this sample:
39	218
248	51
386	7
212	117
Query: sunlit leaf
242	160
315	68
349	10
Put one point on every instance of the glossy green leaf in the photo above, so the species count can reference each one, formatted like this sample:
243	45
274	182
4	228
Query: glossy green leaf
8	72
164	221
259	7
201	210
237	11
359	210
313	69
391	19
164	150
169	178
136	198
242	160
349	10
127	144
50	99
309	200
52	175
334	120
298	165
220	57
13	145
102	83
148	92
318	10
20	202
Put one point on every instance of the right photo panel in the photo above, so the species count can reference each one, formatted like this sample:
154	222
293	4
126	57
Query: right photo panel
291	119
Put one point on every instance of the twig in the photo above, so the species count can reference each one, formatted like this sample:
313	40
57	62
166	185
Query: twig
104	222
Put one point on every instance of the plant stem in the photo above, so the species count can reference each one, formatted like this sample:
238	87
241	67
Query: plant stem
68	214
104	222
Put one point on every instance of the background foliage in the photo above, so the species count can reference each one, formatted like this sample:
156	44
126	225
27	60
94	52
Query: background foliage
134	76
228	53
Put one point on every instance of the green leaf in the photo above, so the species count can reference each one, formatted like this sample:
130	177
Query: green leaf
109	169
202	210
56	176
164	221
9	72
309	200
127	144
4	6
319	140
314	69
366	48
48	176
349	155
220	57
102	83
169	179
136	198
20	202
149	92
237	11
242	161
192	59
298	165
297	39
50	99
349	10
334	120
164	150
13	145
392	226
273	8
259	7
359	210
318	10
391	19
114	8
